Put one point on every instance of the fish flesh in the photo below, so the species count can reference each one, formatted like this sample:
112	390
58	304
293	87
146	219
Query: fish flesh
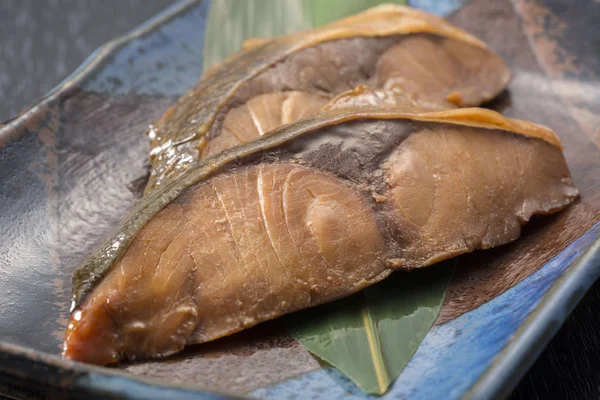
275	81
317	210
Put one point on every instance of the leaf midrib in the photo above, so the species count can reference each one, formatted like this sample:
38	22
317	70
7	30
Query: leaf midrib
381	372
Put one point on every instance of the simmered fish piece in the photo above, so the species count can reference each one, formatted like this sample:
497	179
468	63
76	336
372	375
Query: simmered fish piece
317	210
386	47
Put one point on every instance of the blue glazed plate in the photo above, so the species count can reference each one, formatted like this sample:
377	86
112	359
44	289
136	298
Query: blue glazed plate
71	165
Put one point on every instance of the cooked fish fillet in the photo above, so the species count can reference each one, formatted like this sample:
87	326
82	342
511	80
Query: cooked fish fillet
387	47
317	210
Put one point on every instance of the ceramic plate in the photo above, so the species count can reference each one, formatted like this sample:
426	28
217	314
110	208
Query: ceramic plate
73	164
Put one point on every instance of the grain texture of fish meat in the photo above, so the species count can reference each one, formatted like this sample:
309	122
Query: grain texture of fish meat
276	81
316	211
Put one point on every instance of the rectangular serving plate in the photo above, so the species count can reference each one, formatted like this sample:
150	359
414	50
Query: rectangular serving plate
69	167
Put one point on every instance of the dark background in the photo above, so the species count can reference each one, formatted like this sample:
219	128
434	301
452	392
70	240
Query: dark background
41	42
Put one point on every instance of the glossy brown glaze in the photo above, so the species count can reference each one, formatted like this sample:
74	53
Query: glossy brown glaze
386	47
314	212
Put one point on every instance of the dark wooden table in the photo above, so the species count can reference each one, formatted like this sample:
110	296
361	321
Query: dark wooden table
41	42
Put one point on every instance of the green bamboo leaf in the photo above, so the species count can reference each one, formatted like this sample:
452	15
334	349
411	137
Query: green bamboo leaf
372	335
231	22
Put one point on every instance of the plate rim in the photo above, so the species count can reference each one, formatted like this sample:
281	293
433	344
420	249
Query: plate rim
496	382
516	357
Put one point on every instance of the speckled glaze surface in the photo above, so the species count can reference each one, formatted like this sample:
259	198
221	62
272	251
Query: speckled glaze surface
72	165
